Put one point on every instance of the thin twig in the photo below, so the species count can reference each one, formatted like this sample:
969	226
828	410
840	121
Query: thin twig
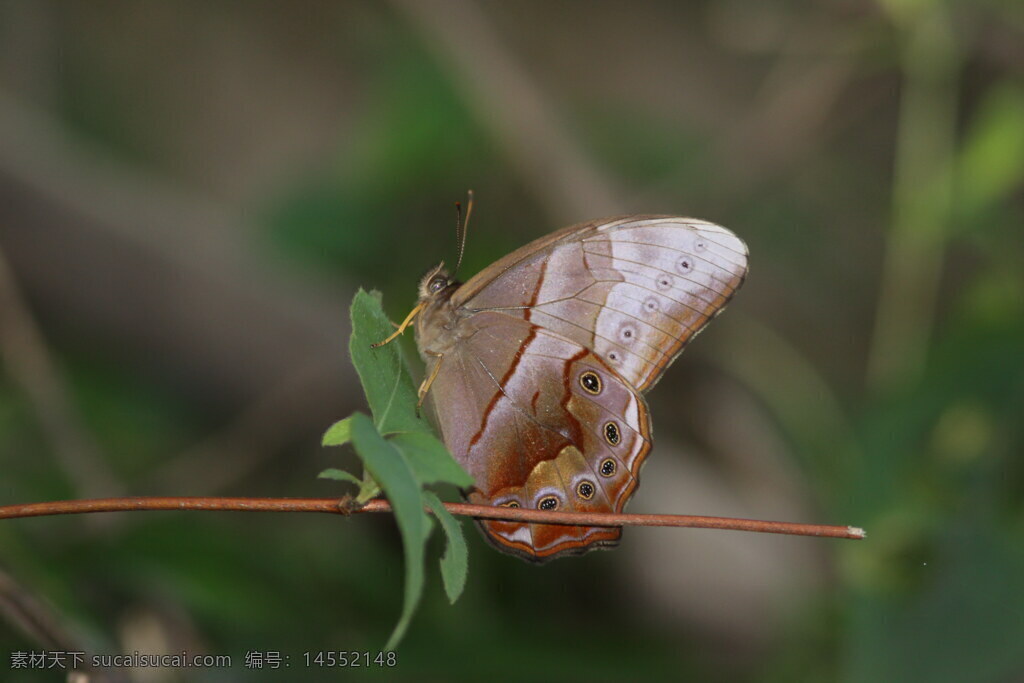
336	506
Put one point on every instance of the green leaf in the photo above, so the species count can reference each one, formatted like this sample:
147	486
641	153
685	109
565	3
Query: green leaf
340	475
455	561
430	459
338	434
389	468
389	388
402	465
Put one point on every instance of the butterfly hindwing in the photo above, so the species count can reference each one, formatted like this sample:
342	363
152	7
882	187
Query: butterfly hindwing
559	430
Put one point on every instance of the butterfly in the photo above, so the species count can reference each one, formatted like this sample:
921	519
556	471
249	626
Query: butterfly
537	366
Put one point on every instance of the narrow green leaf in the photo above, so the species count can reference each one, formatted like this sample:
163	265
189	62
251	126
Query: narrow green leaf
455	561
340	475
430	460
338	434
389	468
389	388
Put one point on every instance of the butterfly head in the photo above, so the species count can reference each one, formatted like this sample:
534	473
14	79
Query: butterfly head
434	282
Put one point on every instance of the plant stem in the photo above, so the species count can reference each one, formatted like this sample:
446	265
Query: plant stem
336	506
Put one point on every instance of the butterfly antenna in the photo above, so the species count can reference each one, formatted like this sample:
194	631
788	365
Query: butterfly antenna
461	227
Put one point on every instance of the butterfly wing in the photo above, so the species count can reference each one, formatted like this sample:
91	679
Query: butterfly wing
635	289
539	394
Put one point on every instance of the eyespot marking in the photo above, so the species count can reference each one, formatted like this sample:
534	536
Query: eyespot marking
663	282
651	304
548	503
700	245
684	265
590	382
612	434
509	504
608	467
585	490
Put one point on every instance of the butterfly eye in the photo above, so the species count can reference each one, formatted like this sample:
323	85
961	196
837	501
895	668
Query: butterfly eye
611	433
437	284
547	503
607	467
590	382
585	490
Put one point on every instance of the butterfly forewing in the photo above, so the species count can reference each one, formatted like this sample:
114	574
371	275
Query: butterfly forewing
635	290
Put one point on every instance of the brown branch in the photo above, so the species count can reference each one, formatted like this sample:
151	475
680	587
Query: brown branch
336	506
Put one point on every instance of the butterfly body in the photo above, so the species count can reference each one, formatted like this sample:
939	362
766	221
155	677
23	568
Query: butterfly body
537	364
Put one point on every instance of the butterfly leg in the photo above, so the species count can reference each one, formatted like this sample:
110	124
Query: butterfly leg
401	328
425	384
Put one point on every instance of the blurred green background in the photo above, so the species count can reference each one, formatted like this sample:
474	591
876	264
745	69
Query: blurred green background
191	192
